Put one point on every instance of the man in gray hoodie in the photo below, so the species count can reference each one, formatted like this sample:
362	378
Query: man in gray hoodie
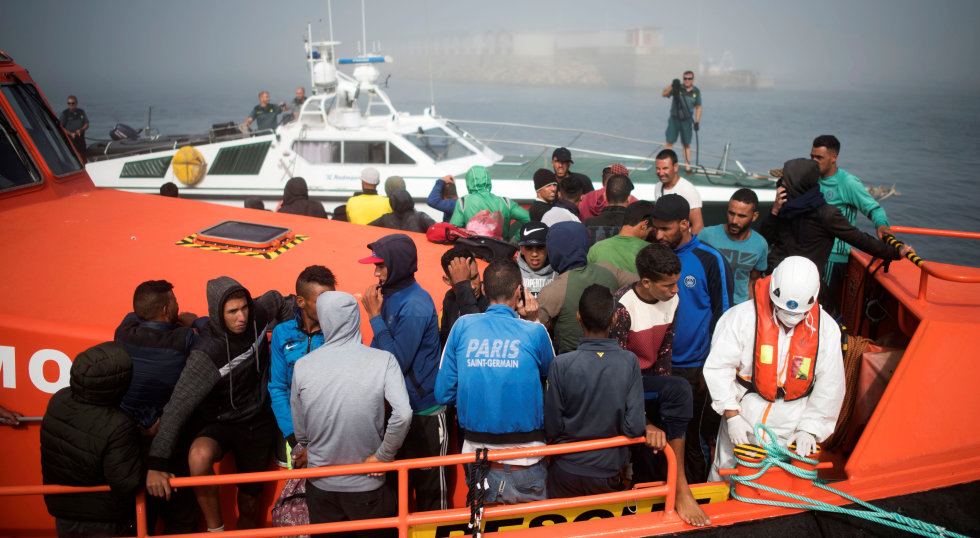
337	401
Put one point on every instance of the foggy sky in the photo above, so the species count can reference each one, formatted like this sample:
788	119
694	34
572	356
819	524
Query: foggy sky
831	45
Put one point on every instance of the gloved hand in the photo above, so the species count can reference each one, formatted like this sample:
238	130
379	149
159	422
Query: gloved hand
806	443
739	430
697	126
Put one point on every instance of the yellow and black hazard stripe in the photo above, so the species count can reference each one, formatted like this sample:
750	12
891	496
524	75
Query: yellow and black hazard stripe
266	255
749	452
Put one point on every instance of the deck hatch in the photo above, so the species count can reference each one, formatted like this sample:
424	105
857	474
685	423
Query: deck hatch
244	238
240	160
147	168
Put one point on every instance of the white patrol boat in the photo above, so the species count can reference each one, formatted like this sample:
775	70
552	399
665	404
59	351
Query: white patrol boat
349	123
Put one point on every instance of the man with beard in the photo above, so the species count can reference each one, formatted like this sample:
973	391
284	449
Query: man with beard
223	386
744	248
705	293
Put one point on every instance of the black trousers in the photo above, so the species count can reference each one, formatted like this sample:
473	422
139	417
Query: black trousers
703	425
427	436
562	484
669	407
331	506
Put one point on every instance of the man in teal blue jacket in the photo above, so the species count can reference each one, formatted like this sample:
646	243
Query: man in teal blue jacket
290	342
403	318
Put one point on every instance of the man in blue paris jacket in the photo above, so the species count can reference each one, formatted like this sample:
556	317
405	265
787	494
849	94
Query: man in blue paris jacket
493	367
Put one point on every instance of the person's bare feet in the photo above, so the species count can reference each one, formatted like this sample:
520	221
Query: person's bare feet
689	509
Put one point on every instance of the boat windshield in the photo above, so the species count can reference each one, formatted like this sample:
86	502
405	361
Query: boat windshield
43	128
439	144
16	168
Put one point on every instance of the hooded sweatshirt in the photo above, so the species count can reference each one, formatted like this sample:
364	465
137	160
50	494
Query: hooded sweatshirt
535	280
807	225
296	200
403	216
226	374
408	326
568	247
338	398
480	198
87	440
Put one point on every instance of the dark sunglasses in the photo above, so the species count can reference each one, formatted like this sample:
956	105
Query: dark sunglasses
688	78
72	102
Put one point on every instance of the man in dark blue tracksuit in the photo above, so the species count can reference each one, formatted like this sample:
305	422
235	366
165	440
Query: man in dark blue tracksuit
705	290
403	318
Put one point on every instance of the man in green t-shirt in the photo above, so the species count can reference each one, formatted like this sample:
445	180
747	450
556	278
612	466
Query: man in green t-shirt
621	250
845	191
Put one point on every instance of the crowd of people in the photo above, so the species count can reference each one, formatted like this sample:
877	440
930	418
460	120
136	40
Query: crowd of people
617	316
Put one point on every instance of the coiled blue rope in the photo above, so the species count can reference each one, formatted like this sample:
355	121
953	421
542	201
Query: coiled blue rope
780	456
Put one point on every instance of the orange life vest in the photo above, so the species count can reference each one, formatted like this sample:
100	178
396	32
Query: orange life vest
801	360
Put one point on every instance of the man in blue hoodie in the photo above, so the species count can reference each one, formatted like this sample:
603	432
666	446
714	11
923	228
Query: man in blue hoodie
705	292
493	368
403	318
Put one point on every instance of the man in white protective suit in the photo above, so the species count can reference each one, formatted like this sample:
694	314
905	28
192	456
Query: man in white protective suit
776	360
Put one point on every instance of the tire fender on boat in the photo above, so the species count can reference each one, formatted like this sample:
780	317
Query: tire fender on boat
189	165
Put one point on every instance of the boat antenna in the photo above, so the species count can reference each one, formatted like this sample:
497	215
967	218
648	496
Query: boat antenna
330	17
364	28
428	58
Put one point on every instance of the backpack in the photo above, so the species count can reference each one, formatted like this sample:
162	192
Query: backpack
290	508
488	248
444	233
487	223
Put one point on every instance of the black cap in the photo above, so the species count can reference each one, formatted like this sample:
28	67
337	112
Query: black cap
544	177
671	207
563	155
533	233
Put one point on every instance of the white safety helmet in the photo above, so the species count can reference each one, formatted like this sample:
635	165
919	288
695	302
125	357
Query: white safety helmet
794	285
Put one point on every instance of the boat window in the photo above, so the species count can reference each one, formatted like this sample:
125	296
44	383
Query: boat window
397	156
364	152
16	169
318	151
43	129
439	144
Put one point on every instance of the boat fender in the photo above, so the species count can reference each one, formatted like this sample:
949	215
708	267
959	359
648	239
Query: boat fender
189	165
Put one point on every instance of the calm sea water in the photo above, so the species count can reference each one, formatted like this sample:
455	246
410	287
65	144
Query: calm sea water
927	145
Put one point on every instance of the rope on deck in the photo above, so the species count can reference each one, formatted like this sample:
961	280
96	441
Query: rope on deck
780	456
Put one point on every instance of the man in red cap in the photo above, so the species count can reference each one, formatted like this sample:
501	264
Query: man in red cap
593	202
403	318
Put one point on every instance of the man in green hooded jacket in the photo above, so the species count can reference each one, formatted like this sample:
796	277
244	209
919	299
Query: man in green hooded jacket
480	198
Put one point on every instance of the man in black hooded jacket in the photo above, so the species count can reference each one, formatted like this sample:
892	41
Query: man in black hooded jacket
802	223
403	215
296	200
223	385
87	440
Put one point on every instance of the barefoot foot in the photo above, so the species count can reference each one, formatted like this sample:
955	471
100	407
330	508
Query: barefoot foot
689	509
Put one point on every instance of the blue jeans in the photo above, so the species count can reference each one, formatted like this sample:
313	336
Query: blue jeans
512	486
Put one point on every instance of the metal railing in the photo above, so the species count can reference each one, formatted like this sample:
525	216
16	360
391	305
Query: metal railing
933	269
404	519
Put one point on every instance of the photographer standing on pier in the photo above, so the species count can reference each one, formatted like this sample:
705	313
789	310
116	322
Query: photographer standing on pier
685	113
